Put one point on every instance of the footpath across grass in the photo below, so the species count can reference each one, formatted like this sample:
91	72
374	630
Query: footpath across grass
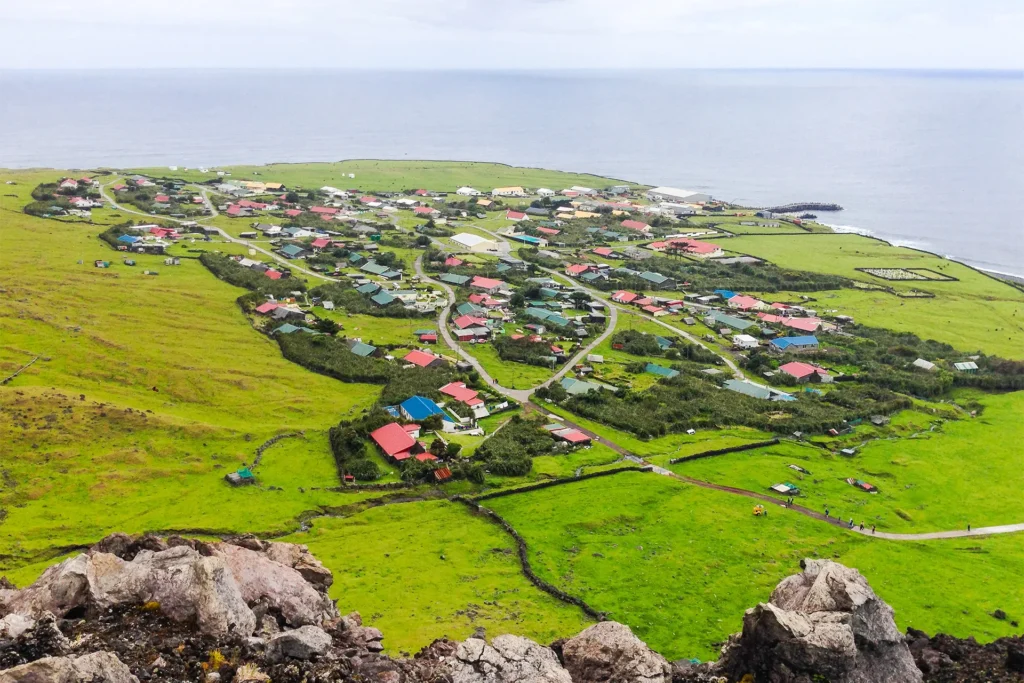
967	471
680	564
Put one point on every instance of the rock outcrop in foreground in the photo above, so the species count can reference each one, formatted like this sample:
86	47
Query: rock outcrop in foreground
247	611
823	624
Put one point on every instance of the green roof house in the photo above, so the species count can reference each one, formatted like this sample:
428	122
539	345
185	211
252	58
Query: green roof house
653	369
454	279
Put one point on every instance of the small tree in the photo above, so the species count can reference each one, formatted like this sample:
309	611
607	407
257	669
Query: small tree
327	326
580	299
432	423
437	448
292	197
453	449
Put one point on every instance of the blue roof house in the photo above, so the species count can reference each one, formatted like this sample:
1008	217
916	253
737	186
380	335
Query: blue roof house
419	408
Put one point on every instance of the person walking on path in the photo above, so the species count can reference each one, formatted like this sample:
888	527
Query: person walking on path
872	528
968	528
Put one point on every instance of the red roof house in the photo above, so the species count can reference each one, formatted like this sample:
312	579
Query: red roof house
745	303
234	210
426	211
464	321
273	274
548	231
635	225
624	297
394	441
804	371
603	251
461	393
487	284
326	210
514	215
802	324
451	261
161	199
320	243
422	358
266	308
368	200
292	213
577	269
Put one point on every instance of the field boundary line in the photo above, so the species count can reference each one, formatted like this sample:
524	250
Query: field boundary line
724	451
524	560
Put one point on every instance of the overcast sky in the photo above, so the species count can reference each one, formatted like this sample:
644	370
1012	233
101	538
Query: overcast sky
513	34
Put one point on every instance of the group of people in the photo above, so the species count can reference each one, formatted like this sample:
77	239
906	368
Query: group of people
850	525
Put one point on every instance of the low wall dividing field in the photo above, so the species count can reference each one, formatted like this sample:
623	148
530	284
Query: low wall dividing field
524	560
557	482
723	451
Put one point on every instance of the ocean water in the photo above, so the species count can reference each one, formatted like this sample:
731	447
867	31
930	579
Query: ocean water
933	160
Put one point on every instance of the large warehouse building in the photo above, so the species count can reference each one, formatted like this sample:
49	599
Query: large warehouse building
674	194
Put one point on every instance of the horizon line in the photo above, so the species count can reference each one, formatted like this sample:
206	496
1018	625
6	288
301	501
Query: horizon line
885	69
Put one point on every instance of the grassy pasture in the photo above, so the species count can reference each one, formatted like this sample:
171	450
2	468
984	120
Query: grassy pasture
420	571
374	175
680	564
972	312
968	471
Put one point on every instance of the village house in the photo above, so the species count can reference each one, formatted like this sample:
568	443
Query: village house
489	285
419	408
396	442
794	344
635	225
746	303
508	192
805	372
474	243
425	359
744	341
467	192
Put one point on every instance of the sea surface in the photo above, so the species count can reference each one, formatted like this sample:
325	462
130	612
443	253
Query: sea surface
932	160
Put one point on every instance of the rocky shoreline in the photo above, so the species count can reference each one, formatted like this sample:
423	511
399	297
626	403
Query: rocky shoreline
176	609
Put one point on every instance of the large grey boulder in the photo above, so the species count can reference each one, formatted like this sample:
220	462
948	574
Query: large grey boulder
824	622
184	583
216	584
97	667
13	625
261	578
305	642
507	659
609	651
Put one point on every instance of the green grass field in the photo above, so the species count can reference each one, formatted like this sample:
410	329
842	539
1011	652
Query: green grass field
973	312
664	448
968	471
509	374
373	175
204	390
680	564
149	389
420	571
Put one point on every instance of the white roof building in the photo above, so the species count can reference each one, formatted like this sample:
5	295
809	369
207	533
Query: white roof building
467	191
583	190
473	242
675	194
545	192
744	341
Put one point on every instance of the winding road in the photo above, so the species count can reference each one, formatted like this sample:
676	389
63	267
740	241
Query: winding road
522	396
